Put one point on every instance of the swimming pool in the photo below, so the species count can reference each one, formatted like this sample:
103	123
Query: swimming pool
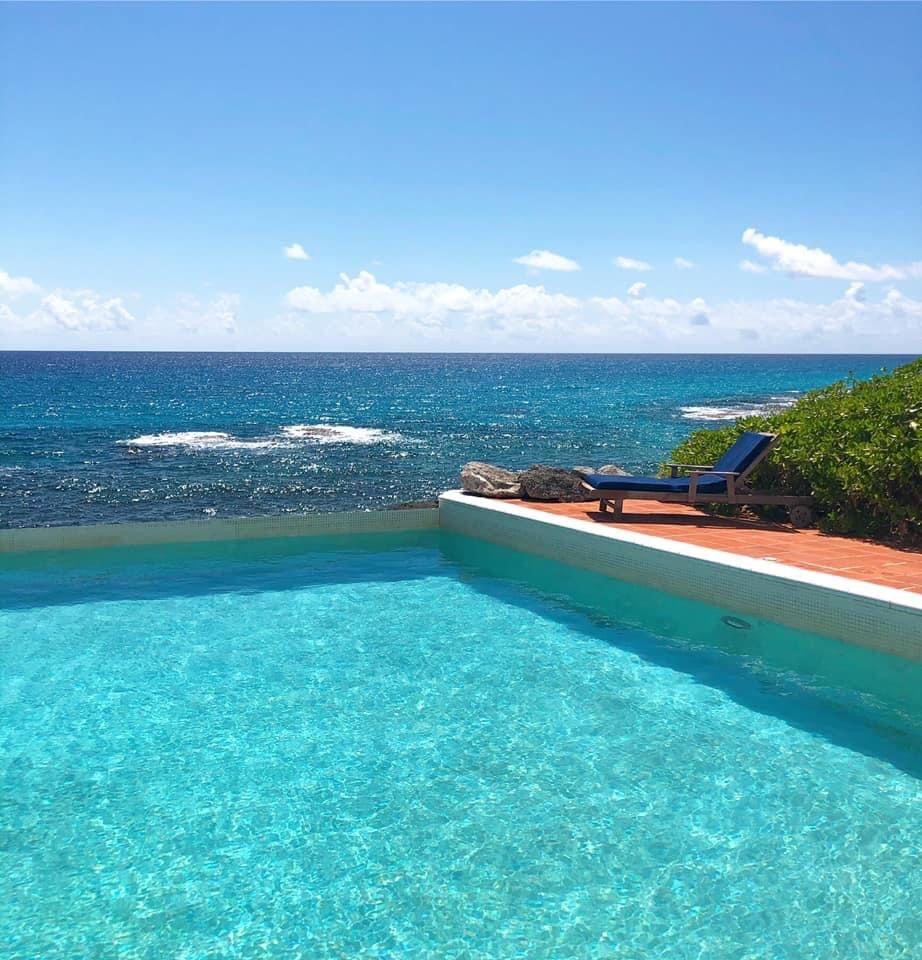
423	745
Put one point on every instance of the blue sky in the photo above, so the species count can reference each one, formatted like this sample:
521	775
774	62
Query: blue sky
447	168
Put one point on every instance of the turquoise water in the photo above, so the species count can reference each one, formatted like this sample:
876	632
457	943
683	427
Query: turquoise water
106	437
423	746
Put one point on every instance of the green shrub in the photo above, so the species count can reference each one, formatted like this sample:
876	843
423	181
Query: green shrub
855	445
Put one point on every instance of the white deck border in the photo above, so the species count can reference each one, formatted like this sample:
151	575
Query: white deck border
855	611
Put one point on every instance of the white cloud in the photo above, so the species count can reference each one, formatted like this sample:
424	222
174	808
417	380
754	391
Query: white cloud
17	286
629	263
850	320
362	312
366	313
85	310
223	311
802	261
219	316
295	251
545	260
684	264
747	266
8	319
432	304
189	314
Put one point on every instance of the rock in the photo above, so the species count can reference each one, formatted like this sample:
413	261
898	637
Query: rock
487	480
610	469
555	484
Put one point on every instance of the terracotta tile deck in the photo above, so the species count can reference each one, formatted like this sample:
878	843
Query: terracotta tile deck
810	549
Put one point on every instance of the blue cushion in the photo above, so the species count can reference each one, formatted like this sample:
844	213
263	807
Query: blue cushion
706	484
744	453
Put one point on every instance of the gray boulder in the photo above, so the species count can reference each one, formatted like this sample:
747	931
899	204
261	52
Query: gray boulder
554	484
609	468
486	480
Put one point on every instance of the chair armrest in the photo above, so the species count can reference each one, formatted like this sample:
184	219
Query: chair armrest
695	475
674	468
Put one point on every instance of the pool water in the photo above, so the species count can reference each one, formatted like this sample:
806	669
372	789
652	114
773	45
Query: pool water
424	746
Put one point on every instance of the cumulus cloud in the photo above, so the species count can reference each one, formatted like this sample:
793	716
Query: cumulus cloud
802	261
219	315
629	263
17	286
683	264
656	321
747	266
95	319
856	292
8	319
432	304
636	289
224	311
294	251
190	314
369	313
85	310
546	260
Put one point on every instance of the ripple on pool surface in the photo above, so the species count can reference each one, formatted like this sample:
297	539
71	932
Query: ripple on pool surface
386	754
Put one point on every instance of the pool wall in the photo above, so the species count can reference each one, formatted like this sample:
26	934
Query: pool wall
857	612
854	611
24	539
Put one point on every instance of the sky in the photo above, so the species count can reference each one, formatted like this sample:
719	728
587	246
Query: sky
480	177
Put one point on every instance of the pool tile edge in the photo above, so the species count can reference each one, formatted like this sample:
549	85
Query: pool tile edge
854	611
30	539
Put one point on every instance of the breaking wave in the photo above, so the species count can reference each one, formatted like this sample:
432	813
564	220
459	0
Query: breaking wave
335	433
739	410
195	440
288	436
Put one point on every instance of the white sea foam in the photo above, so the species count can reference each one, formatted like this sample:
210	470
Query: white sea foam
337	433
722	413
737	411
287	437
197	440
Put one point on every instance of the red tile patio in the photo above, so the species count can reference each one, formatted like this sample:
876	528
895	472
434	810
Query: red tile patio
810	549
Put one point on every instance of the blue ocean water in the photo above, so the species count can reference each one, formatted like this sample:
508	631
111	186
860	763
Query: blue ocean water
429	747
102	437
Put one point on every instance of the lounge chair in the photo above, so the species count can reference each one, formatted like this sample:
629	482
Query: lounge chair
724	482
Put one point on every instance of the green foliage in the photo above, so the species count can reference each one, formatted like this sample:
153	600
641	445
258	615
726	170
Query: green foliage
855	445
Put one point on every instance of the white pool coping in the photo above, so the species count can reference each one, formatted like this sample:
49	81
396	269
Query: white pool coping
852	610
768	568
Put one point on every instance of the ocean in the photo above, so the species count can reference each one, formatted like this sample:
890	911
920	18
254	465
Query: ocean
107	437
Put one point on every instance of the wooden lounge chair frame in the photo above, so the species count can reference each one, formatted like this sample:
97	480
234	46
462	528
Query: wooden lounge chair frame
738	492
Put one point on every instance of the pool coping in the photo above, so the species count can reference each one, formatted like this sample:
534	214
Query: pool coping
769	568
852	611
